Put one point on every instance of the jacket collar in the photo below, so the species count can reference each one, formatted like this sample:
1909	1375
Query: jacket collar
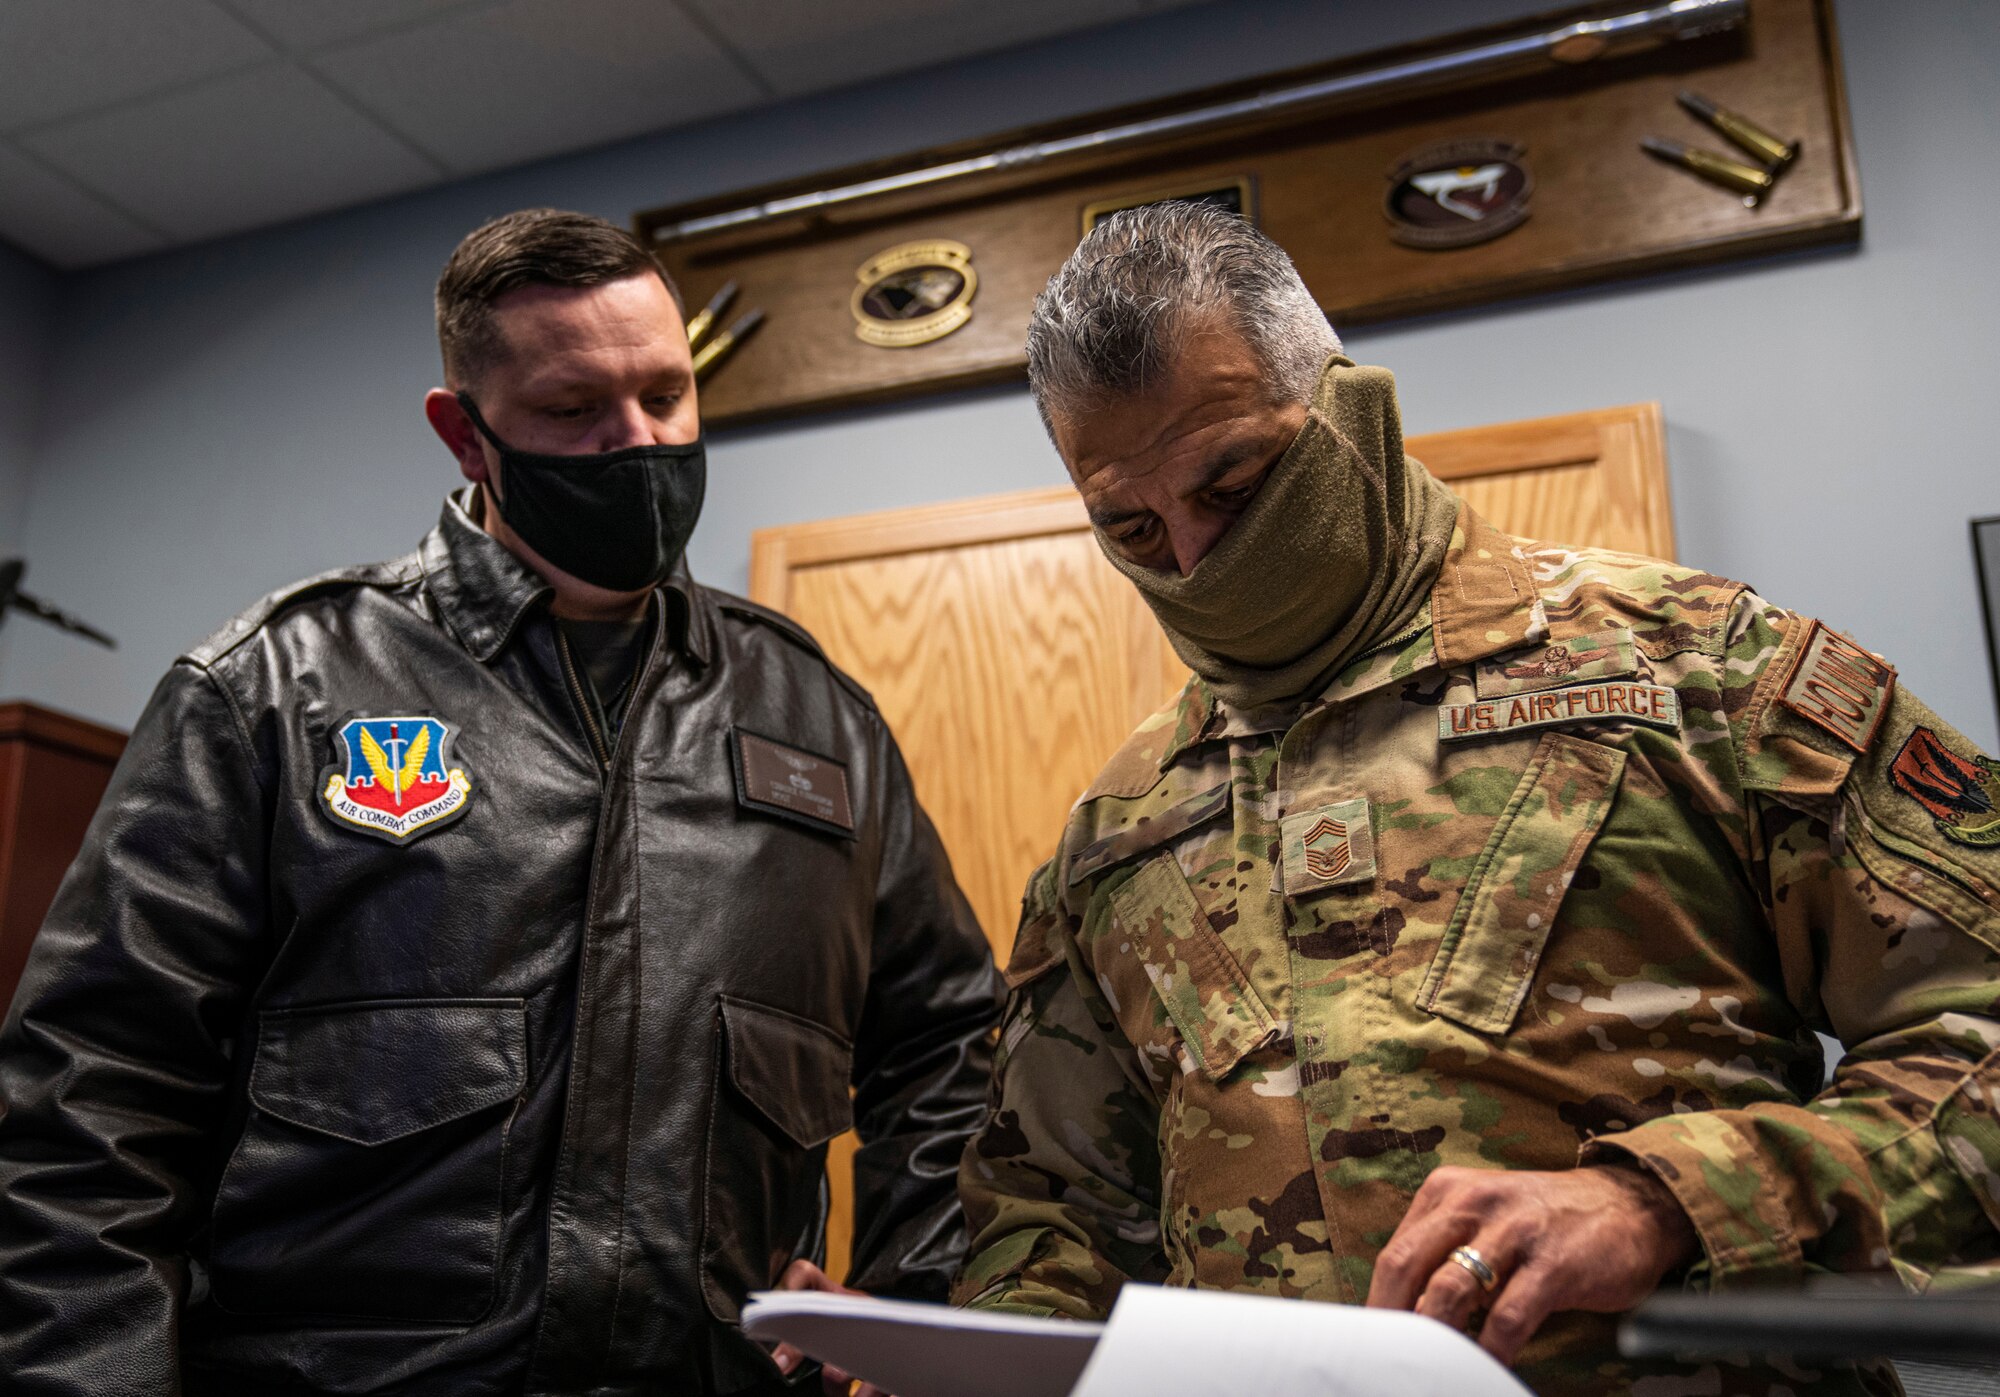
1483	601
483	591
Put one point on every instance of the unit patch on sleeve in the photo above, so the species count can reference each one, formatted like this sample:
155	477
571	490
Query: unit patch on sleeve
1328	847
392	777
1838	687
796	784
1962	793
1655	705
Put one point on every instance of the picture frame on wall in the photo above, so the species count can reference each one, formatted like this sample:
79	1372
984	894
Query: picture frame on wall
1986	563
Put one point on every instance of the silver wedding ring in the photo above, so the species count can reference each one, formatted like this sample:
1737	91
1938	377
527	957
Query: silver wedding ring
1475	1263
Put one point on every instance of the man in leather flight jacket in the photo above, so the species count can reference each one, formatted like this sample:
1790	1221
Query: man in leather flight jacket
409	1023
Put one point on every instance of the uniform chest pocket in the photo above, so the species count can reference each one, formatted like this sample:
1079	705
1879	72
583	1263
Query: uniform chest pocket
1486	961
367	1181
1198	987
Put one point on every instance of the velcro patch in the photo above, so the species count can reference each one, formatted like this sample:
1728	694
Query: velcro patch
796	784
1838	687
1149	832
1655	705
1328	847
1608	654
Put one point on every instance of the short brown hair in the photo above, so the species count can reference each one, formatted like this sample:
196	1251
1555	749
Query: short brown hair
535	247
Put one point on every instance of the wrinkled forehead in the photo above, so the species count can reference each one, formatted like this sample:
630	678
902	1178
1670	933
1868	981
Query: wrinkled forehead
1205	401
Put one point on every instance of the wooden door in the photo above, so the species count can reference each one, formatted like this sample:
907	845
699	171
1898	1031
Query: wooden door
1010	659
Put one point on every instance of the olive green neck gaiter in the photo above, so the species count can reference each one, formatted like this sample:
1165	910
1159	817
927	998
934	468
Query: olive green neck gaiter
1336	552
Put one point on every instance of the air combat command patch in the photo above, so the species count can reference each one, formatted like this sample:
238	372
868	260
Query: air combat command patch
390	777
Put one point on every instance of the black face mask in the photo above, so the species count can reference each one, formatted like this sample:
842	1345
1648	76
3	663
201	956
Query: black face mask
617	519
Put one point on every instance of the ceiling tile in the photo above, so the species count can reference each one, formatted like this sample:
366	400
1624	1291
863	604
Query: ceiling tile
806	45
47	215
61	58
234	153
301	27
530	78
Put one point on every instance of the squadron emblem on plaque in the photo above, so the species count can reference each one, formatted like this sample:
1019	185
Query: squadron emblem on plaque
1458	193
914	293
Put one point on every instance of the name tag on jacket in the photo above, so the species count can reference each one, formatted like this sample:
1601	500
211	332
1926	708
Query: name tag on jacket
792	783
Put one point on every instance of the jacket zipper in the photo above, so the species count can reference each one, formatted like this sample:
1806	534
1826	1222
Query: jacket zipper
598	746
1392	643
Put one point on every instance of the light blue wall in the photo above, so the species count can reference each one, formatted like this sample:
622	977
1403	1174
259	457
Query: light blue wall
223	419
27	324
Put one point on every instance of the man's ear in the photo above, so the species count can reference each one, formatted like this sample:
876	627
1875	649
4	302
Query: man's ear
447	418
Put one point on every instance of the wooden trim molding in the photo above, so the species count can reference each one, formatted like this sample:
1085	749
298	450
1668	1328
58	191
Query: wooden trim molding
776	552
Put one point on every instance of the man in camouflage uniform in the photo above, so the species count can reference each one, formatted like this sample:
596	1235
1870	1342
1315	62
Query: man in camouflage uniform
1508	927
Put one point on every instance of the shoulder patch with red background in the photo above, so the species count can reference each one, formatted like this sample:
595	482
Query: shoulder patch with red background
1961	793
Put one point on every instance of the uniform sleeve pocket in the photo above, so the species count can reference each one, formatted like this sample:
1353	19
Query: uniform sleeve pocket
1487	959
1197	983
792	1070
1038	940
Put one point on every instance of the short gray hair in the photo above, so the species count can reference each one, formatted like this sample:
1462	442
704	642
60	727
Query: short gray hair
1112	320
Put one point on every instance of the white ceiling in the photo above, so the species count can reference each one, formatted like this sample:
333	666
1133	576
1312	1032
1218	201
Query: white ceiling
132	125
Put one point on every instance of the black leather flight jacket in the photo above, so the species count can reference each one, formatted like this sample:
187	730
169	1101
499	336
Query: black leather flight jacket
525	1103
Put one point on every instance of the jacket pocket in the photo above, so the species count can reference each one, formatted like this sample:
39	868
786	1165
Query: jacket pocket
366	1183
1484	965
1198	985
780	1095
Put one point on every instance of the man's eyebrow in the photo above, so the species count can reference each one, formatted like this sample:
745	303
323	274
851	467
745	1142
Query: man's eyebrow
1112	518
564	384
1225	461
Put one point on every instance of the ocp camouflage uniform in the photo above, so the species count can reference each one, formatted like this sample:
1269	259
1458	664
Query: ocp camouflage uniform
1570	870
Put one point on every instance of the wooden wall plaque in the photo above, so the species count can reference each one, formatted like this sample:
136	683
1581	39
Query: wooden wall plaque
1599	207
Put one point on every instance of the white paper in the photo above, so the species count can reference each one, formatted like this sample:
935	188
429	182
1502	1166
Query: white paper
1208	1343
1157	1343
917	1350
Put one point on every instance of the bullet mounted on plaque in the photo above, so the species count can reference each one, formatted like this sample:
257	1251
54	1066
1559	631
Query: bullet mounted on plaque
1753	179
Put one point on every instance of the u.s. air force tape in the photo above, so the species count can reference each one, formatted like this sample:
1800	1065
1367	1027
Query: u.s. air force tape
1612	702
